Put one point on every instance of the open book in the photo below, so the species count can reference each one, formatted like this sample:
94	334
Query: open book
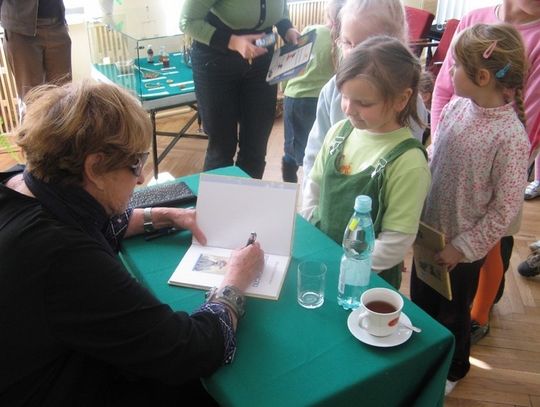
290	60
428	242
229	209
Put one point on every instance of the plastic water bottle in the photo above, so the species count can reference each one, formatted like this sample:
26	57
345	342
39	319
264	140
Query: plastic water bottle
358	242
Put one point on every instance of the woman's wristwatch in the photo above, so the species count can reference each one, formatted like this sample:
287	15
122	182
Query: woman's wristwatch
228	295
147	221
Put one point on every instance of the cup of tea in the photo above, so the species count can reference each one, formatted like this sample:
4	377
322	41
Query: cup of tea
382	308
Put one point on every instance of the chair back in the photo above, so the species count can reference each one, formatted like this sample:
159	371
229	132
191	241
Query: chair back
419	22
443	47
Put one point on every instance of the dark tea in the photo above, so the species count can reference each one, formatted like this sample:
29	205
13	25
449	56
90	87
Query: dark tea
382	307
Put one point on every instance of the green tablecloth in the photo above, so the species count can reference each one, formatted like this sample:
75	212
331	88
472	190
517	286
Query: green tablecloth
291	356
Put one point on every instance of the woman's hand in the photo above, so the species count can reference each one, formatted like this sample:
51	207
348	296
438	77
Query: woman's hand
244	266
449	256
292	35
165	218
186	219
245	45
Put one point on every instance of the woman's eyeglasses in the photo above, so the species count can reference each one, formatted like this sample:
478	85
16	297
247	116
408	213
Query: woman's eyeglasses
137	168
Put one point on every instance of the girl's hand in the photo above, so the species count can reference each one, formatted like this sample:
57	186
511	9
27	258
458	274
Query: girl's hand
292	36
449	256
245	45
244	266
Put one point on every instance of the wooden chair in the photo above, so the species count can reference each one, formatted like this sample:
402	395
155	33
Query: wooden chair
434	65
419	22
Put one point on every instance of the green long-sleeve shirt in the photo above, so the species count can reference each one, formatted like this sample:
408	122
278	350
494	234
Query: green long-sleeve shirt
249	15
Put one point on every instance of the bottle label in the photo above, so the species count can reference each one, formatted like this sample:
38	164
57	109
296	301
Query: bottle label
353	224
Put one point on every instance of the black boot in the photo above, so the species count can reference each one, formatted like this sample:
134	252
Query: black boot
288	171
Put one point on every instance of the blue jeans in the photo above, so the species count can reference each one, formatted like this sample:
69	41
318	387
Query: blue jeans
298	118
237	107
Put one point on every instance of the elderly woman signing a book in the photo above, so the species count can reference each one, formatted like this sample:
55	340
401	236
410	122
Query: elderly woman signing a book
77	329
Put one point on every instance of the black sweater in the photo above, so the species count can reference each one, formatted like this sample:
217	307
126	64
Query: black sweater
73	320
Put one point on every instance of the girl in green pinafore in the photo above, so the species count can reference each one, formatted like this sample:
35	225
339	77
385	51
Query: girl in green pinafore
373	152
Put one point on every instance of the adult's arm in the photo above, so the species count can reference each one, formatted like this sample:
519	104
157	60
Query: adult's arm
193	22
166	217
93	306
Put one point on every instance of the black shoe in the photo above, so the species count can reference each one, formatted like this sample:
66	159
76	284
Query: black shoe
531	266
478	331
500	291
288	171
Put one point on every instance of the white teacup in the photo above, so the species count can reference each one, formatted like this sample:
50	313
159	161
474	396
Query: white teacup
382	308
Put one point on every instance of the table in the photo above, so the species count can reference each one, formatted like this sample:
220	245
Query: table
291	356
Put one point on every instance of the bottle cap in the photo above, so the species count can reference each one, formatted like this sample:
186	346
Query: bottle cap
362	203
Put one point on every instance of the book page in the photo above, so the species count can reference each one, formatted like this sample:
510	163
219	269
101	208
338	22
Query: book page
229	209
203	267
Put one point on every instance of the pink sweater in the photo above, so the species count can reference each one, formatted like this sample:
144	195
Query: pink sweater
531	36
479	171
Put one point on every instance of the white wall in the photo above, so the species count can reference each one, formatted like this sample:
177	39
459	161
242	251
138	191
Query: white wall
80	51
447	9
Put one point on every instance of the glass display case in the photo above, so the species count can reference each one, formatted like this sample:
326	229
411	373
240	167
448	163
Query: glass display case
121	37
139	46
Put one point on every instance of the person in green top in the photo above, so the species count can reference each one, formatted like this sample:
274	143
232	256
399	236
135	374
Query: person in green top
302	92
236	104
373	152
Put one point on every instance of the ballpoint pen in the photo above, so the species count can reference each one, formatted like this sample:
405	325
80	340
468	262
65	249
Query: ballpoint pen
160	233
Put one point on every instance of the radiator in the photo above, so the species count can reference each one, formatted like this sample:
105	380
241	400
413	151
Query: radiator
8	93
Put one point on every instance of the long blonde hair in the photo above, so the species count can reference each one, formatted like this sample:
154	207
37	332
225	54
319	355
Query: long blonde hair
498	48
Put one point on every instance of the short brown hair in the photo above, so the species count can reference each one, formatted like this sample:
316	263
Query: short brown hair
390	67
64	124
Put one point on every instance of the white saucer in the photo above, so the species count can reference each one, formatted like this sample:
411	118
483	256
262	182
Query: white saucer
400	336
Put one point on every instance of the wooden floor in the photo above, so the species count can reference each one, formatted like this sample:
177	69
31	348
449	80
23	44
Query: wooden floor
506	363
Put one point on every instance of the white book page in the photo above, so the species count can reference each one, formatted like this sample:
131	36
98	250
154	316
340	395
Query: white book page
229	209
204	267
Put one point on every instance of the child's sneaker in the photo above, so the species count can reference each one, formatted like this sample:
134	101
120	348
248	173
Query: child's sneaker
535	246
478	331
449	386
532	190
531	266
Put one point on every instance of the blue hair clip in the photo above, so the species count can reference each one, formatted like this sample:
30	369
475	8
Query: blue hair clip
502	72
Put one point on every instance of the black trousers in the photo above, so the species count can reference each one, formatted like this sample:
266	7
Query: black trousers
237	107
454	315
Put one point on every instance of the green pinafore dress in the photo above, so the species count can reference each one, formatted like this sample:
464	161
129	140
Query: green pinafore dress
338	192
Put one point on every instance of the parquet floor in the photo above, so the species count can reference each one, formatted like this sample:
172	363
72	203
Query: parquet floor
506	363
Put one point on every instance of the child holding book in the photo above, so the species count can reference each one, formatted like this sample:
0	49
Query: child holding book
479	170
373	152
302	92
